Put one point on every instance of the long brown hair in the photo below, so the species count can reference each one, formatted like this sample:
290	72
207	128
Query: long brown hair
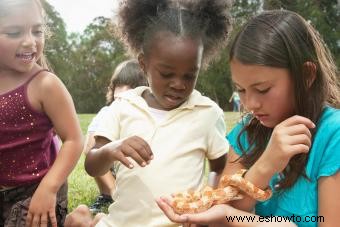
283	39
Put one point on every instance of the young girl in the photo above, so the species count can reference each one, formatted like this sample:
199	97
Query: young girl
127	75
290	140
34	103
161	135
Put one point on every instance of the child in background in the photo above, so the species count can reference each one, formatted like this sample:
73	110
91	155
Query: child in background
127	75
235	98
34	103
159	136
290	140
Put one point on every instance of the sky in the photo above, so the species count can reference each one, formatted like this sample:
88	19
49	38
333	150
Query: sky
77	14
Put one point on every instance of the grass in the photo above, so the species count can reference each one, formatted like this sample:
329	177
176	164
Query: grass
82	188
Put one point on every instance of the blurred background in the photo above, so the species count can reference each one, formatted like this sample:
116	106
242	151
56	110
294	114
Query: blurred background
84	59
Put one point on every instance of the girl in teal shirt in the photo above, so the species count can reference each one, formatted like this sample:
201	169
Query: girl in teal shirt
290	138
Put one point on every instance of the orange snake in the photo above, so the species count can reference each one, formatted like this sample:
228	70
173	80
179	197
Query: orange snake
231	188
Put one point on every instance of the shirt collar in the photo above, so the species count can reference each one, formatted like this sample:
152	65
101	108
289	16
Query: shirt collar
196	99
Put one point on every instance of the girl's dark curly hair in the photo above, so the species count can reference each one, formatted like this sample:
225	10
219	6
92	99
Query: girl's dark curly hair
140	20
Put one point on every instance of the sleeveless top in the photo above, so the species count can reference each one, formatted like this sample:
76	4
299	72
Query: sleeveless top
27	150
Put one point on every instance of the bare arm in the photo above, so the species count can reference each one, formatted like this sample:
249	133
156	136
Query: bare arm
233	167
47	93
217	165
99	161
57	103
329	200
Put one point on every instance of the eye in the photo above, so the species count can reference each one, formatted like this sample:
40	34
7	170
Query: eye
166	75
38	33
189	77
240	90
264	91
13	34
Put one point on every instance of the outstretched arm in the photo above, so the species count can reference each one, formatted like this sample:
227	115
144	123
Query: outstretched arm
99	161
218	215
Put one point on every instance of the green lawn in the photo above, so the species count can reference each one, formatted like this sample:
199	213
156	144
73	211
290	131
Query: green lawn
82	188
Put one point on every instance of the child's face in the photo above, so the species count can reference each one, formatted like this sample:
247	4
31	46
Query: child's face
172	66
268	92
21	38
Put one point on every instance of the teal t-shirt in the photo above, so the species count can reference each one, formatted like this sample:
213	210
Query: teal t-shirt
300	202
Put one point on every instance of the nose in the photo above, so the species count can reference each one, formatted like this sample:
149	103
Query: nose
251	102
177	84
28	40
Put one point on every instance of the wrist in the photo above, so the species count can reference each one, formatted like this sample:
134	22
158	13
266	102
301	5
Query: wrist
260	175
49	185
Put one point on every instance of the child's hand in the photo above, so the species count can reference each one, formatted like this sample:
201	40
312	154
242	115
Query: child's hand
289	138
42	208
135	147
214	215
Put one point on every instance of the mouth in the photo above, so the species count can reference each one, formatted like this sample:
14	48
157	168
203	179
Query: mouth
26	57
173	98
261	117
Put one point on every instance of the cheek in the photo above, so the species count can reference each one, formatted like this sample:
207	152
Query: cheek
282	103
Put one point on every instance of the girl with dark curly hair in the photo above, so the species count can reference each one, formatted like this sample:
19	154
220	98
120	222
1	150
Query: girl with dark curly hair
158	137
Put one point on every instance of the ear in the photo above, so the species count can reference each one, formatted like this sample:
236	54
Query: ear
141	60
309	71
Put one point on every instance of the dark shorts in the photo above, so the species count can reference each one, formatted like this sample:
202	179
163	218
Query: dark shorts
14	204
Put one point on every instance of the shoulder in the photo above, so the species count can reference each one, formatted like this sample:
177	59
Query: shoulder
46	81
329	121
197	100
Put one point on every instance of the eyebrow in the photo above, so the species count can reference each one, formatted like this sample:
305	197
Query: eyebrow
253	85
17	26
163	65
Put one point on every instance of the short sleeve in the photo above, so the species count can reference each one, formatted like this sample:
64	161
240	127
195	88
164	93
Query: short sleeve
233	135
107	122
94	123
218	145
330	160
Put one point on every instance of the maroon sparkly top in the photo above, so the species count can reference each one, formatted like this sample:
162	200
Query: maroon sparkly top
27	150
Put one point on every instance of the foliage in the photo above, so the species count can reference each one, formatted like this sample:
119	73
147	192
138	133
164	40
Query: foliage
94	58
85	62
324	15
56	48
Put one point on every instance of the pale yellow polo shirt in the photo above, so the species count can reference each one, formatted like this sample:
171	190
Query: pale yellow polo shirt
180	143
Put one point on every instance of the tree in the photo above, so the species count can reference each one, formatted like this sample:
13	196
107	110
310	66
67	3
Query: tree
324	15
94	57
56	47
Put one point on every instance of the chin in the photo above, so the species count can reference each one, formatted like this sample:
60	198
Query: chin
268	124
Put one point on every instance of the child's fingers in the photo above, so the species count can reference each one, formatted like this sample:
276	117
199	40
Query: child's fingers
36	220
294	120
135	155
300	139
43	220
29	218
143	146
53	218
169	212
299	148
299	129
142	151
121	157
